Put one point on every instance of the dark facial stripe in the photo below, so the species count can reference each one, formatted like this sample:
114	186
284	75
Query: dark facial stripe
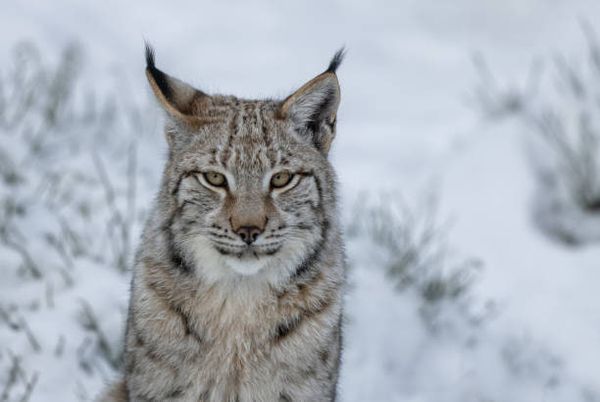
177	259
180	178
319	186
175	256
309	264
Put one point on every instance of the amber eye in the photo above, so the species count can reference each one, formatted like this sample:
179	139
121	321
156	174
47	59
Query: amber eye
281	179
215	179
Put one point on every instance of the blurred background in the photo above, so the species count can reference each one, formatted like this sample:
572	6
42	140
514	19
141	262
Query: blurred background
468	153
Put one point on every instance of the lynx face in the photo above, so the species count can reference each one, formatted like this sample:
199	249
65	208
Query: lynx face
246	178
250	197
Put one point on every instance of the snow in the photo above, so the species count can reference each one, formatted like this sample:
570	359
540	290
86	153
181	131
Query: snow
405	128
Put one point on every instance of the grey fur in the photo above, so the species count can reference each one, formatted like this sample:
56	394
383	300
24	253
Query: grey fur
212	318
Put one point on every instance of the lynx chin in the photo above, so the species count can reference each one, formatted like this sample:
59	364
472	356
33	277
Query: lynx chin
238	281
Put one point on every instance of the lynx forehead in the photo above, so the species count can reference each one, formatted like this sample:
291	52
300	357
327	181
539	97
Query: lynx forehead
237	287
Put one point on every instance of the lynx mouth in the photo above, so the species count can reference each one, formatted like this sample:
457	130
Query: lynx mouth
248	260
249	253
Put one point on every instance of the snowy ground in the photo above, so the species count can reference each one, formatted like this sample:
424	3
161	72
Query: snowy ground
527	328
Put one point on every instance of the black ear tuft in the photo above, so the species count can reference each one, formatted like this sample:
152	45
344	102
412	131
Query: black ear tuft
149	56
160	77
336	61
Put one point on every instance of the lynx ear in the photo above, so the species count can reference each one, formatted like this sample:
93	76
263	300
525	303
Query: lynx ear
176	97
312	109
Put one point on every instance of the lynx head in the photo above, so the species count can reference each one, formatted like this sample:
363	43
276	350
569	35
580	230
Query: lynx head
248	189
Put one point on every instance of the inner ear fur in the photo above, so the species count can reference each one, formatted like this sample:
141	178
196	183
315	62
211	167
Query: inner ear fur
312	109
317	99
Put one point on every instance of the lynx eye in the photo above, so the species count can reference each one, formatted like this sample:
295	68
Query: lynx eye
281	179
215	179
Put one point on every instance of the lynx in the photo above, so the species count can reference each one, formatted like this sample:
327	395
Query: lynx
238	281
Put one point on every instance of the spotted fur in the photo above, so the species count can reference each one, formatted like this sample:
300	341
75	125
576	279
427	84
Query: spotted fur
212	317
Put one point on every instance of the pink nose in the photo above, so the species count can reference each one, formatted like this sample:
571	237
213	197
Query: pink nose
249	234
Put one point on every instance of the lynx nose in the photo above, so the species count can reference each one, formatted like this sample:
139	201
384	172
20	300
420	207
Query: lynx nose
249	234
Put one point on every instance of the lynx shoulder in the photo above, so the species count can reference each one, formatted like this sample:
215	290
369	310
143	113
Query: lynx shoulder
238	281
